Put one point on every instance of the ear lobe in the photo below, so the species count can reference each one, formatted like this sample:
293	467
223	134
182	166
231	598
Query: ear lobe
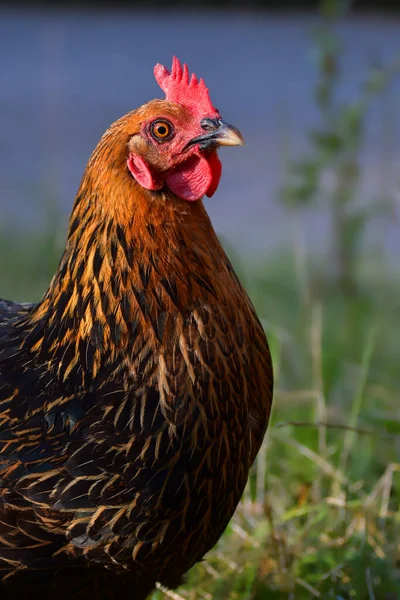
142	173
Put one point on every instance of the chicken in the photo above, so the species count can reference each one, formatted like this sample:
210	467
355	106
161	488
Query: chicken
135	395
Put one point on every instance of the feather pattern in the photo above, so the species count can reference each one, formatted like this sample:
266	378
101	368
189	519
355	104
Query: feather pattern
133	397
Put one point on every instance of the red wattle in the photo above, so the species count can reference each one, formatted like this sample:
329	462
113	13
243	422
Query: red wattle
216	168
195	177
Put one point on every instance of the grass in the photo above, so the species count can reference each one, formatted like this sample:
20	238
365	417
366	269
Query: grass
320	517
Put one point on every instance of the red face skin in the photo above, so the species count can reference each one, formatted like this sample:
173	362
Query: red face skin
182	154
172	161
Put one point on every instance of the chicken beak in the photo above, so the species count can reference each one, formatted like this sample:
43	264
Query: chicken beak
223	135
227	135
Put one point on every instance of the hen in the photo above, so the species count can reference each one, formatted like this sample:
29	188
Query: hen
135	395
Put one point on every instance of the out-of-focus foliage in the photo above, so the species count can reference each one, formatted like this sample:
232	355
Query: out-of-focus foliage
329	176
320	517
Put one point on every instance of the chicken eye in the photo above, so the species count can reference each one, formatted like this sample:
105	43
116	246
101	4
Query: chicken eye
160	130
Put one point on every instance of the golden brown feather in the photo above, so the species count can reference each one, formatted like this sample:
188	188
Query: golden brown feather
133	398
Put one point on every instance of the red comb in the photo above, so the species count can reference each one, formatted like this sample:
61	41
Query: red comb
193	94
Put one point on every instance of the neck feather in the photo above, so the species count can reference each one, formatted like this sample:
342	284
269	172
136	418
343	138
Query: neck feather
134	262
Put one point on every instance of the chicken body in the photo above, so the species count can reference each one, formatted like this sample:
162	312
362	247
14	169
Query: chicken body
133	398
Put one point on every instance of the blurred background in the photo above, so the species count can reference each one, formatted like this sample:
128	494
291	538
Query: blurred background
308	211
